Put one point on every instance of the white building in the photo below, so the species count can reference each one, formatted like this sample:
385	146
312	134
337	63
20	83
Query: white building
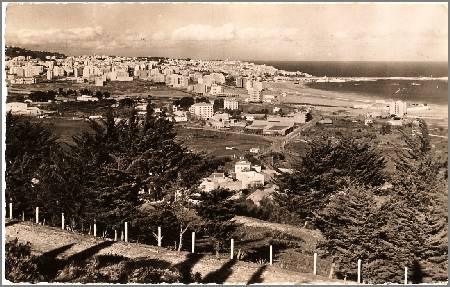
220	121
242	166
250	178
49	75
254	95
215	89
202	110
99	82
397	108
86	98
230	103
255	150
180	116
17	108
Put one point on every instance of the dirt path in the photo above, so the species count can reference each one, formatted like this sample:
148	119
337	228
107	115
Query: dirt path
45	239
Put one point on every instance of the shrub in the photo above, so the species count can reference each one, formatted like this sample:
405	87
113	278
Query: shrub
20	264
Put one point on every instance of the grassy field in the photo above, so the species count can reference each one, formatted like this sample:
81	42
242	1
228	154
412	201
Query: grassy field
65	128
215	142
133	88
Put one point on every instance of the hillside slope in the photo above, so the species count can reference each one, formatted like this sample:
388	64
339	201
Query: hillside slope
65	243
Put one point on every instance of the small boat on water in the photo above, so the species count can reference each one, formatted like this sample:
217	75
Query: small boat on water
415	84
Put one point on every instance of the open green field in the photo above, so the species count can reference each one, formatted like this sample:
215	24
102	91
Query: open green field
215	142
65	128
133	88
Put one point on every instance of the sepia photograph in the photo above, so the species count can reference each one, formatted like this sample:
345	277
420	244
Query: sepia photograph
242	143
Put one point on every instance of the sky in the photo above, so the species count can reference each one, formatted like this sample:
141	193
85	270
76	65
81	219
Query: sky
255	31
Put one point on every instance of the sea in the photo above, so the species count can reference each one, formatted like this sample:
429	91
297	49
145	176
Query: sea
414	90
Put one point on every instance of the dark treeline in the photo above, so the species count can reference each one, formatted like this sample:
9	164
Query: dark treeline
17	51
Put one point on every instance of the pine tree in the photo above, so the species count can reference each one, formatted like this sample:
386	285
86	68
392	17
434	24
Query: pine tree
29	146
323	171
216	209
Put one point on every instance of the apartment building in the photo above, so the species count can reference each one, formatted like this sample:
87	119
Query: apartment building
230	103
202	110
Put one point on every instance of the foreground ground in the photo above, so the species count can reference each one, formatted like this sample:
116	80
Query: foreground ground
65	244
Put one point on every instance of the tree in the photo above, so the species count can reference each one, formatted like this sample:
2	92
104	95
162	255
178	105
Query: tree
123	158
126	103
184	103
323	171
405	228
111	190
185	213
216	209
146	223
99	95
29	146
384	234
218	104
422	178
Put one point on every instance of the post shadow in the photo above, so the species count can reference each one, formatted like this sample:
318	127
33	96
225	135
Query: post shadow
256	277
49	265
220	275
417	273
55	252
185	267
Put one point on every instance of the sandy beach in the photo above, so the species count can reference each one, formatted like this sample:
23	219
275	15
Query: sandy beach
331	101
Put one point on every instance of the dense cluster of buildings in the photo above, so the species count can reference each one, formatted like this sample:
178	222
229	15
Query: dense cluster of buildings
245	175
202	77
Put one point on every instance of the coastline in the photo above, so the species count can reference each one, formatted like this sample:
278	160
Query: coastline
333	101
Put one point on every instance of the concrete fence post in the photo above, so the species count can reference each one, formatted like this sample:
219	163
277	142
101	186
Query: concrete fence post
37	215
406	275
10	211
62	221
159	236
315	264
193	242
359	270
95	228
271	253
126	231
23	215
232	249
115	234
121	235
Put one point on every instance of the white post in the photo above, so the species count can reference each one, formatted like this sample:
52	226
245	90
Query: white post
121	235
359	270
126	231
10	211
62	221
95	228
159	236
270	262
232	249
115	234
406	275
315	264
37	215
23	215
193	242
